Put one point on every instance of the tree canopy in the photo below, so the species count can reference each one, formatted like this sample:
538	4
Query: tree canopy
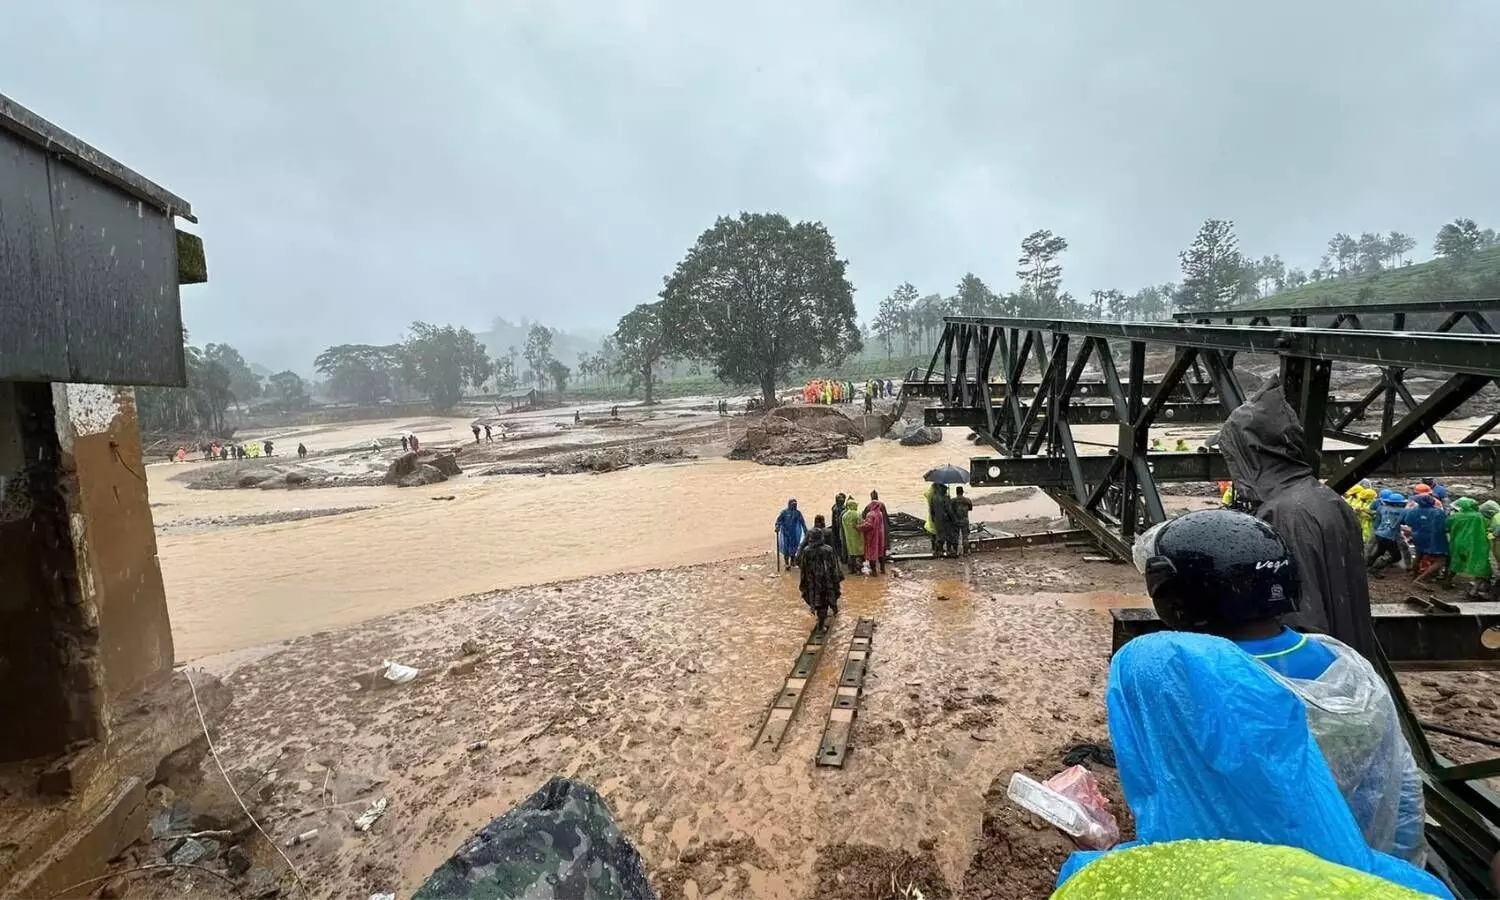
441	361
641	343
287	391
363	373
1212	269
758	296
538	352
1458	240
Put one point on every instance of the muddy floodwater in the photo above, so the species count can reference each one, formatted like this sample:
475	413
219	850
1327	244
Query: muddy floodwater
237	587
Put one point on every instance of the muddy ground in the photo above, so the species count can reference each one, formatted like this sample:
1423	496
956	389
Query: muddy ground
652	687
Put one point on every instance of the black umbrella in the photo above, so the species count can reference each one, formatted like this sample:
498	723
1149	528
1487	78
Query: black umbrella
947	475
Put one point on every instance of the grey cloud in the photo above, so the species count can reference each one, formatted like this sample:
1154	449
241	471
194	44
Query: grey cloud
359	164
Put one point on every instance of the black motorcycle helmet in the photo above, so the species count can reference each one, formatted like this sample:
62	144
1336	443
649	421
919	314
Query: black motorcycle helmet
1215	569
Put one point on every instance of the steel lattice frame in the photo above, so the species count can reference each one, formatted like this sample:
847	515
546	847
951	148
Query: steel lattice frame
979	373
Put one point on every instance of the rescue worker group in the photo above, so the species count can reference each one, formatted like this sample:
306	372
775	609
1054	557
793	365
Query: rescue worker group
1257	720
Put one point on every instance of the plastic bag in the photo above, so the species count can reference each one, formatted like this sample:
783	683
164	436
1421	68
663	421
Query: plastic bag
1353	718
396	673
1072	801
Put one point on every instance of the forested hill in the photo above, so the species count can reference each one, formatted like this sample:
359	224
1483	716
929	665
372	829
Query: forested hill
1439	279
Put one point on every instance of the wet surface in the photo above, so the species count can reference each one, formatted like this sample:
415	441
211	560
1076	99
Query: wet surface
651	686
235	588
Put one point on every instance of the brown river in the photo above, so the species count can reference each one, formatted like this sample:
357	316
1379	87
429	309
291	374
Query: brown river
232	588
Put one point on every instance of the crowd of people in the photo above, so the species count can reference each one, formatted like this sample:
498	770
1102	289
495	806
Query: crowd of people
1433	536
830	391
857	540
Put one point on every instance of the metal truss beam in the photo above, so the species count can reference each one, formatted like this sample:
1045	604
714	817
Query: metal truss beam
1106	414
1408	636
1442	460
1246	314
1473	354
1029	389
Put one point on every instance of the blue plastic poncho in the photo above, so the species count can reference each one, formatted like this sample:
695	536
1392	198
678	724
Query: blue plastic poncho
790	529
1210	746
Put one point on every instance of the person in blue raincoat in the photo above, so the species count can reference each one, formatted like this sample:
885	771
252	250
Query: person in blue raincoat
1210	746
790	529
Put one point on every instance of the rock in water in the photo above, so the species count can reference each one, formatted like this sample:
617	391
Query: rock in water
424	475
921	436
446	463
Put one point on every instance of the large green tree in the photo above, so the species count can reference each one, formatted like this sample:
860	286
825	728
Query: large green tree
1400	245
1212	269
1458	240
641	342
363	373
757	296
891	319
974	297
441	361
244	384
287	391
1040	272
538	352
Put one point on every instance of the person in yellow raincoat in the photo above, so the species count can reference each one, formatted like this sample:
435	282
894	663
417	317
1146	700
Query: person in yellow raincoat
1364	509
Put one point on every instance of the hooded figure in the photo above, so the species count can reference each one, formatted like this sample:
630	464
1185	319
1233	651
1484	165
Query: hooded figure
1468	540
837	521
1429	526
790	528
885	528
1211	747
820	577
854	541
1263	446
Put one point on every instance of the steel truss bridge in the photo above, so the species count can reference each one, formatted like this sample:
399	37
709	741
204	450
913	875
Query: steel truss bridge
1024	385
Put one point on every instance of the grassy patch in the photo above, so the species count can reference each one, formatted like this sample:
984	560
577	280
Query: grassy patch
1439	279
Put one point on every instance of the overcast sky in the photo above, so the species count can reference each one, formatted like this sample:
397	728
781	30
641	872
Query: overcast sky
360	163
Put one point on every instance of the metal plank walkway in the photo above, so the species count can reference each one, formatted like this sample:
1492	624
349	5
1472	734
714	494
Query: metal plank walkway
834	748
784	705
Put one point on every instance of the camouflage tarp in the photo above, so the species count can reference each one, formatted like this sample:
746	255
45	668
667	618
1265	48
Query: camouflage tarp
560	844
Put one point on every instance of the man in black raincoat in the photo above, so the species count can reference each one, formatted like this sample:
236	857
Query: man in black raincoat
1264	447
836	532
821	575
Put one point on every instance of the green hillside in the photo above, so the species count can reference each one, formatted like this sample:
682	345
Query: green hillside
1439	279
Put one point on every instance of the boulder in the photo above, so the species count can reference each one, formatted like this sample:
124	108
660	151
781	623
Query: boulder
295	477
921	436
446	463
402	466
424	475
253	479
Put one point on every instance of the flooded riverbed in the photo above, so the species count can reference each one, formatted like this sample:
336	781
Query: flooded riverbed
238	587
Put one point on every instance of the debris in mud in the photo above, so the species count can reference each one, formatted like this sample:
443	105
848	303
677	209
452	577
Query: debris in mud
204	523
712	868
865	872
1018	854
372	815
775	441
609	459
821	418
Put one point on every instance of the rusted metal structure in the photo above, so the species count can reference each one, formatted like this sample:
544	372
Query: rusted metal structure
1016	383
